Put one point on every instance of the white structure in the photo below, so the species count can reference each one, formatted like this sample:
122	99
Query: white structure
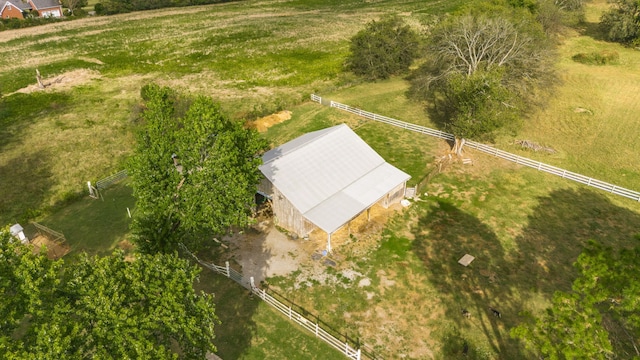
326	178
17	231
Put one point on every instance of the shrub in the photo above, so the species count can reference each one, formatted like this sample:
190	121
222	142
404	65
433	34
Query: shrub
383	48
604	57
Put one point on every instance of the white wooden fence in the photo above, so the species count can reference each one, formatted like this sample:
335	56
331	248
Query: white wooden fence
309	325
566	174
106	182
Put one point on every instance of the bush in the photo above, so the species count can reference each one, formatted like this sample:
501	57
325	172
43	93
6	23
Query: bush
604	57
99	9
383	48
622	22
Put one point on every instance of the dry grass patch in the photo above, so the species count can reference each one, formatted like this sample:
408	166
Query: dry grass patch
62	82
263	123
55	250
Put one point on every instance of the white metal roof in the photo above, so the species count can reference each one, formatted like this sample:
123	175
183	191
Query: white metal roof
330	175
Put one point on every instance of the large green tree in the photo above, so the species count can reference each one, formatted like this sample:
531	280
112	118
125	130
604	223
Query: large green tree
103	308
383	48
493	62
621	23
600	317
194	171
73	5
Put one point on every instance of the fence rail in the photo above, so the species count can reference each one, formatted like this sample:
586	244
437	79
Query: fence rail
56	236
109	180
293	315
565	174
307	324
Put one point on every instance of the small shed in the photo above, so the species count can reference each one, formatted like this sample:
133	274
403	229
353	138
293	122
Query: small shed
18	232
326	178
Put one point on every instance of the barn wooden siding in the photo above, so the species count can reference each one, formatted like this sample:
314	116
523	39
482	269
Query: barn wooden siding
289	218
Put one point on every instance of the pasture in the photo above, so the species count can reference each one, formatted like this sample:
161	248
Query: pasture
257	57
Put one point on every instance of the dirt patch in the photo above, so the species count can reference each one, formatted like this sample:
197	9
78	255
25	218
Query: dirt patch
266	122
55	250
264	251
62	82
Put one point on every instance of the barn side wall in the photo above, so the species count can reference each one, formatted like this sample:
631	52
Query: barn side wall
266	187
394	196
284	213
287	216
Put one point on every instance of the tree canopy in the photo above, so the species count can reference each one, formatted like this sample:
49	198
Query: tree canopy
621	23
72	5
105	308
599	317
383	48
194	171
108	7
481	70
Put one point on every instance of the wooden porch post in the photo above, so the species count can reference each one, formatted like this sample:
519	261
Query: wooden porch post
328	242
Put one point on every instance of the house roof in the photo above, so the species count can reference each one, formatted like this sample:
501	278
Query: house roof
45	4
330	175
22	5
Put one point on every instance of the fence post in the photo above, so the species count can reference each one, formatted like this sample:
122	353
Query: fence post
227	266
316	329
358	354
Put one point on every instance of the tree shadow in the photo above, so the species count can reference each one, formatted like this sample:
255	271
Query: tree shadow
95	226
235	305
240	334
25	183
469	294
235	310
593	30
19	110
512	278
557	230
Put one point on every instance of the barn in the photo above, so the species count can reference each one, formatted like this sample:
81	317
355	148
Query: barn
326	178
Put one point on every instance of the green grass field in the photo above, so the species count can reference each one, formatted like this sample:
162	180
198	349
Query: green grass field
255	57
525	228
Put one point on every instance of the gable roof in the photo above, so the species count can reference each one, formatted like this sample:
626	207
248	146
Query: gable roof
44	4
22	5
330	175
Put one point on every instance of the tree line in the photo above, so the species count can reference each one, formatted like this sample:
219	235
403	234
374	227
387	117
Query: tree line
110	7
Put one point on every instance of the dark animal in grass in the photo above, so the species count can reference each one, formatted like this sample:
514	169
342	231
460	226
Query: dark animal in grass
495	312
466	313
465	349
